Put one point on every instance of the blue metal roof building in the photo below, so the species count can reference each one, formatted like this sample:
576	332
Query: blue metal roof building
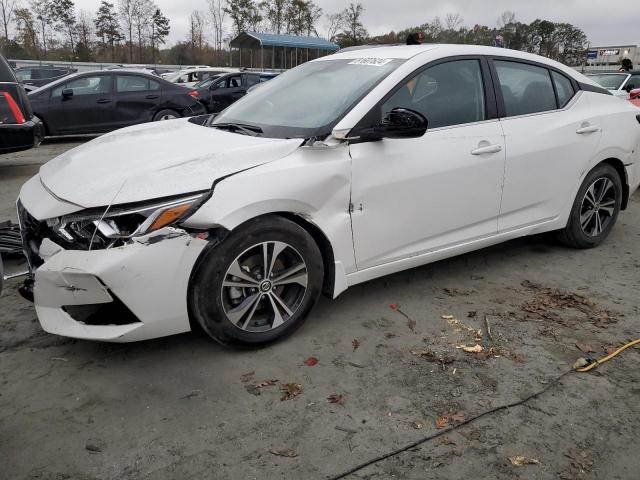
285	50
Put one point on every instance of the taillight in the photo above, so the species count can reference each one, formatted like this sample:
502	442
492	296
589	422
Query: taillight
13	108
194	94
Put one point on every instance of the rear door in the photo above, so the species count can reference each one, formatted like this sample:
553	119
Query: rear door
137	99
88	110
550	132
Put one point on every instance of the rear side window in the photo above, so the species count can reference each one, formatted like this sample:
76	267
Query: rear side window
252	80
564	88
133	83
525	88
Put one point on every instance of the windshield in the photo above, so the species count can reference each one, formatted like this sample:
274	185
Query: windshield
309	100
172	77
610	81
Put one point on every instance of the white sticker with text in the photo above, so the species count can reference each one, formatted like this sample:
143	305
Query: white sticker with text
372	61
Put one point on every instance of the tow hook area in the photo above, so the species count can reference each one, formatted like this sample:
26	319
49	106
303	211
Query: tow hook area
26	289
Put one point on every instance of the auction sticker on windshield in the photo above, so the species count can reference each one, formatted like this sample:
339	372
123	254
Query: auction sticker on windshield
372	61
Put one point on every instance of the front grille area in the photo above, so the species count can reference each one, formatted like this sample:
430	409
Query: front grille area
113	313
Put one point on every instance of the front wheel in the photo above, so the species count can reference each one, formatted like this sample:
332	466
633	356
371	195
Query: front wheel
595	209
259	284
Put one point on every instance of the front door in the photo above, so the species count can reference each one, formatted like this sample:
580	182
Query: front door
414	196
89	108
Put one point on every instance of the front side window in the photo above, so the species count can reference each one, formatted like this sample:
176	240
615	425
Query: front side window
95	85
309	100
252	80
447	94
633	82
610	81
525	88
234	82
564	88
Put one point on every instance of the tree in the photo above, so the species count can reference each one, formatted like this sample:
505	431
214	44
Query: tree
107	27
160	29
196	31
301	17
6	11
64	17
275	11
217	12
333	25
27	31
84	33
43	14
142	18
244	14
127	10
354	32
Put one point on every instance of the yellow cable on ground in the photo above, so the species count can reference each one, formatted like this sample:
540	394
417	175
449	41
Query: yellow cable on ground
584	365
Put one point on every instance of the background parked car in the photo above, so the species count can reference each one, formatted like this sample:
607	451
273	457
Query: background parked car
634	97
190	77
98	102
41	75
618	83
219	94
19	128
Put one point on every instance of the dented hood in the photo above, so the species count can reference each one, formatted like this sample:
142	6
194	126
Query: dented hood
155	160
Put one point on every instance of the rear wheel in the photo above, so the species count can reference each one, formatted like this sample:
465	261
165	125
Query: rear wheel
595	209
259	284
166	115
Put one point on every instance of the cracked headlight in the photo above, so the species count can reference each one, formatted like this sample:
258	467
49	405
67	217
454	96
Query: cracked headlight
100	229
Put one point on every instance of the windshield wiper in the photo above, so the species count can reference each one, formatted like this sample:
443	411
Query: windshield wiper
252	130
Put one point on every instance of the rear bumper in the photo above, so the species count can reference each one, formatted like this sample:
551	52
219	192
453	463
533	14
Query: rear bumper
15	138
123	294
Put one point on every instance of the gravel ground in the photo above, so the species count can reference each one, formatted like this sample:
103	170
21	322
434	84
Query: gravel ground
184	407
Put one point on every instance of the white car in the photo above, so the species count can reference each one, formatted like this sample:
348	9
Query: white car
619	84
345	169
190	77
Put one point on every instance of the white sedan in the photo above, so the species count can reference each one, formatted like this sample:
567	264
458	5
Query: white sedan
347	168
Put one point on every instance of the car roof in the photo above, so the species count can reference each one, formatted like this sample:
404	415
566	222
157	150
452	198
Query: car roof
430	52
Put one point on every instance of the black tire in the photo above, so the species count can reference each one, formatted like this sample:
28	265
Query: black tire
574	234
209	300
165	113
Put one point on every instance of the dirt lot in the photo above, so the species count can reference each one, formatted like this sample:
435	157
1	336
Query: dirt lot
183	407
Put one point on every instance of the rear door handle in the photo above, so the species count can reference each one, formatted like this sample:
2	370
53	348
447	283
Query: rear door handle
588	129
487	149
152	97
104	100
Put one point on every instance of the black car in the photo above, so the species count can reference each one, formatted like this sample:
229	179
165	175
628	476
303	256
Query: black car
217	94
19	128
99	102
41	75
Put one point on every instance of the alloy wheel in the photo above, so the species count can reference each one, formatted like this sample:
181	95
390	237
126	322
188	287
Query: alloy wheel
168	117
264	286
598	207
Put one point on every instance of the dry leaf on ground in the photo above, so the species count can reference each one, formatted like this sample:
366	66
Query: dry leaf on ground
519	461
432	356
471	349
450	418
584	348
266	383
337	399
311	361
247	377
355	344
284	453
290	390
418	425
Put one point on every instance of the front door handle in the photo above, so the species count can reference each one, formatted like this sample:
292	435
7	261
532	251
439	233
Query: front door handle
585	129
104	100
152	97
487	149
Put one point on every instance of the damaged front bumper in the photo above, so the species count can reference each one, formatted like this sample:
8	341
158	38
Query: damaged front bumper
122	294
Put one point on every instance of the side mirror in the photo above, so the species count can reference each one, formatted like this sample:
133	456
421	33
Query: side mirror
67	93
629	86
403	123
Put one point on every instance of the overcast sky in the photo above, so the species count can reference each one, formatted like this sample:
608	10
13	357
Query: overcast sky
605	22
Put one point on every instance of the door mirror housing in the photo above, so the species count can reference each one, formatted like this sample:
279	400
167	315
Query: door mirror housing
67	93
629	86
398	123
